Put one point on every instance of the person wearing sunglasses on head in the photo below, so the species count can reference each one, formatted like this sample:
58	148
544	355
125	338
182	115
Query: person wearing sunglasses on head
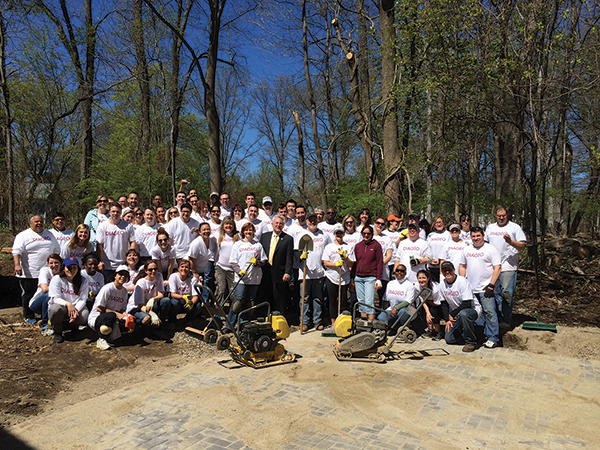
96	216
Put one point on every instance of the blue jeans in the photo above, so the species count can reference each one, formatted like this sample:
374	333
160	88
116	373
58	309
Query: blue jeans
490	328
392	320
505	292
209	279
40	305
246	293
365	293
464	328
312	292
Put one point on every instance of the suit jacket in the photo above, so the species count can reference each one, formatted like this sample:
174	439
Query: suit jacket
283	256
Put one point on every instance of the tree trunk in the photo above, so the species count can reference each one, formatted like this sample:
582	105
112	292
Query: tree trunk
87	88
143	80
392	158
313	110
212	116
334	174
302	182
10	198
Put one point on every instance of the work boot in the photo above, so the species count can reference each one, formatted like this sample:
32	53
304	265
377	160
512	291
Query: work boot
304	328
438	336
469	348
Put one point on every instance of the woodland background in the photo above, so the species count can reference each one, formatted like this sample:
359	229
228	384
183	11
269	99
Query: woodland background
435	107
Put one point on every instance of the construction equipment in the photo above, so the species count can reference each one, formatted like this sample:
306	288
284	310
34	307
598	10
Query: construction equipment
367	340
211	333
257	341
538	326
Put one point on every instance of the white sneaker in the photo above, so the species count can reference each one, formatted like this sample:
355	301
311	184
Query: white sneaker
102	344
490	344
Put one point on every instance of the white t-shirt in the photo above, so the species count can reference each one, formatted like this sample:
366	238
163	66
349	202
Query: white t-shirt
393	235
34	249
62	236
145	237
225	212
144	290
239	224
453	252
459	291
116	240
224	252
79	252
241	254
466	236
508	254
398	291
314	263
327	228
352	239
480	265
181	235
288	223
201	254
61	292
331	253
435	296
110	298
182	287
417	249
44	277
95	282
164	257
267	219
437	242
215	228
386	245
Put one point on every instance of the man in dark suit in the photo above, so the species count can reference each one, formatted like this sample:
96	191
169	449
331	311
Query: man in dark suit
277	272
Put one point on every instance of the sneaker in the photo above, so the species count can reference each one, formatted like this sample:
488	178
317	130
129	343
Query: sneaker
102	344
438	336
59	338
49	332
490	344
30	321
469	348
43	330
428	335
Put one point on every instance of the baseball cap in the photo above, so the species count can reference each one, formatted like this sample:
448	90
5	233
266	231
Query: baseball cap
447	265
413	225
70	261
394	217
310	214
122	268
453	226
214	194
266	199
338	227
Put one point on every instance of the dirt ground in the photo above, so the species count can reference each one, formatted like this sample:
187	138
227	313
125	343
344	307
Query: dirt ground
34	370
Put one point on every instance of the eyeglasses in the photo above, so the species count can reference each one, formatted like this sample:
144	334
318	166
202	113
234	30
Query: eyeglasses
330	212
366	233
162	240
151	269
349	222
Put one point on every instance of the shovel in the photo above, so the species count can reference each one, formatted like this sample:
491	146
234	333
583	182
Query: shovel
305	244
539	326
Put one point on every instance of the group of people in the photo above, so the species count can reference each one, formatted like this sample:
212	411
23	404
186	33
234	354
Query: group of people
128	266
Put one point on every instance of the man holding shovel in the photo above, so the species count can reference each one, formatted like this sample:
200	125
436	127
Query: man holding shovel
313	273
338	259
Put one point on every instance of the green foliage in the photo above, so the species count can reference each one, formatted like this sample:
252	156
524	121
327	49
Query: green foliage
353	195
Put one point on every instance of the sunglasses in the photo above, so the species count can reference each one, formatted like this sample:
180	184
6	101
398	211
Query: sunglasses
367	234
163	240
173	212
139	214
401	270
215	212
379	223
151	269
102	201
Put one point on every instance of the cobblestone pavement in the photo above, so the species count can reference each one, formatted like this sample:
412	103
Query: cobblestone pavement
496	398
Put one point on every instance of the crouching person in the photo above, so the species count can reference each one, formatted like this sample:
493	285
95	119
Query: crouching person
400	293
148	304
182	291
464	309
68	293
108	312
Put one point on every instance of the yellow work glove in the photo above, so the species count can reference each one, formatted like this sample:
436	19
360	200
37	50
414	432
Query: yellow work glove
242	273
404	234
188	305
304	255
340	263
342	253
253	261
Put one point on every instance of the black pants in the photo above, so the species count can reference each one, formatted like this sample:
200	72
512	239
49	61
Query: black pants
28	288
109	319
332	295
